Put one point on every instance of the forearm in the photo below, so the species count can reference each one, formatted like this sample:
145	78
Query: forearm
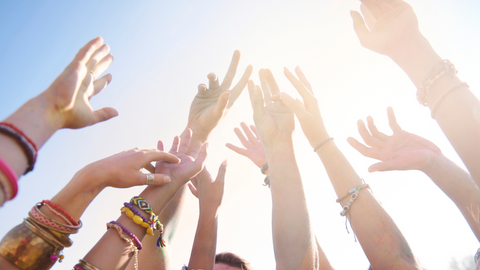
458	185
381	240
111	252
205	243
38	121
293	240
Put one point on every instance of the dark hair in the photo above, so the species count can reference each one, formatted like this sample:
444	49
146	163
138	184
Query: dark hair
232	260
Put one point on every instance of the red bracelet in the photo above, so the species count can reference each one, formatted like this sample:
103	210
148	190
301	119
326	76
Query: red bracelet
65	213
28	146
8	172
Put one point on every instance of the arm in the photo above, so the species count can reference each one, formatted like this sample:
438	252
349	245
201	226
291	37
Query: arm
64	104
209	194
395	33
120	171
208	108
406	151
381	240
111	252
294	243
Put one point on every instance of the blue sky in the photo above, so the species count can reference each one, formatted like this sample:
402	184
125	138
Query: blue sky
164	49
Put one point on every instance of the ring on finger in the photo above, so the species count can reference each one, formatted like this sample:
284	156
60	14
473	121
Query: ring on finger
150	178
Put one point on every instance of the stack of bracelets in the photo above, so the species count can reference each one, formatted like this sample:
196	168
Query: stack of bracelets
38	242
8	178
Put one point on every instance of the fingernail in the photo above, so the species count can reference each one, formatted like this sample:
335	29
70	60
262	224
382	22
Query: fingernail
224	163
167	179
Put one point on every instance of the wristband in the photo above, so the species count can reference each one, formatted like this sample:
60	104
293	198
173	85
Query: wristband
28	146
11	177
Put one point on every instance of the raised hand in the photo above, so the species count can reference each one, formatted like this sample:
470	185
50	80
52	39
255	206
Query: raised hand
209	192
274	122
190	164
390	22
400	151
307	111
211	104
254	149
70	93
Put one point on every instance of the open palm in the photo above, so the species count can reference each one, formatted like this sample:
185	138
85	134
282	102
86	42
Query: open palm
254	149
401	151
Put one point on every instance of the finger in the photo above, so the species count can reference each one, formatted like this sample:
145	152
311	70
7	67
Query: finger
221	105
104	114
257	99
103	65
193	190
222	171
160	145
149	167
297	108
202	155
100	84
274	89
158	179
185	141
247	131
374	8
212	81
385	7
237	149
174	148
194	181
238	89
265	86
150	155
392	121
302	90
392	3
232	69
373	129
202	88
242	138
254	129
303	79
86	52
96	56
195	149
359	26
366	151
388	165
367	137
369	19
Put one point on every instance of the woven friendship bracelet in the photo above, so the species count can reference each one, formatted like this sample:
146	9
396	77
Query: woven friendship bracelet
64	213
49	223
37	208
26	143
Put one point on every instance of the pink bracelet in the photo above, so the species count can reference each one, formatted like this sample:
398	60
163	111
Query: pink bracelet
11	177
59	214
5	185
35	214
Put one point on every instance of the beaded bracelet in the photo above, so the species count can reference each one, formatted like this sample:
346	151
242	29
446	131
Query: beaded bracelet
137	217
157	225
64	213
10	176
26	143
129	241
441	69
139	244
354	196
266	181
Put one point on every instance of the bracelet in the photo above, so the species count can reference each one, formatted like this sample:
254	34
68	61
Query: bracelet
85	265
137	217
443	68
351	191
346	207
145	206
49	223
37	208
129	241
264	168
10	176
266	181
64	213
139	244
477	256
444	95
321	144
6	188
26	143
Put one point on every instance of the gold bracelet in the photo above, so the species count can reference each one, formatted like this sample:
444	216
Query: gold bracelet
87	265
60	236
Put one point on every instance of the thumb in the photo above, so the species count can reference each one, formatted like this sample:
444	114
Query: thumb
221	173
383	166
359	25
221	104
104	114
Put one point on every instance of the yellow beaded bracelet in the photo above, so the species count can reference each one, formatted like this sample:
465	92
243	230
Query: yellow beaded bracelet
138	219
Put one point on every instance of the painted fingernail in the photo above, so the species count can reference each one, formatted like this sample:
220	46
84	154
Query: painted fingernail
167	179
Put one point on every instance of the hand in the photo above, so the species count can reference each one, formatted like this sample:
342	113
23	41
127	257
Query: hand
254	147
401	151
274	122
190	165
70	93
209	192
210	105
123	169
307	112
390	22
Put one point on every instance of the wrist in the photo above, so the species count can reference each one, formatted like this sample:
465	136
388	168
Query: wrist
208	211
279	144
435	162
279	148
199	133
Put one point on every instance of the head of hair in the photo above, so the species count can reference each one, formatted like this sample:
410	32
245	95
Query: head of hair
232	260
